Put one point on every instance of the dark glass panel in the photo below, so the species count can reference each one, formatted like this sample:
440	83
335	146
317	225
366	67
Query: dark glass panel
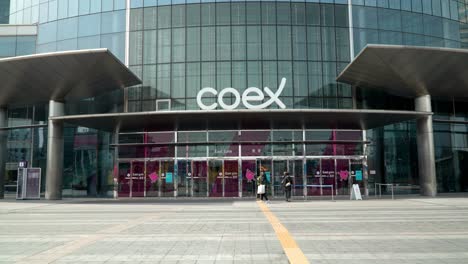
208	12
193	44
328	15
298	13
254	43
136	19
223	13
238	13
164	17
268	13
223	43
312	14
178	15
193	15
269	43
208	47
253	14
283	11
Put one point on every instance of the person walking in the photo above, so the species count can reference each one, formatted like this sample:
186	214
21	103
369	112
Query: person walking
287	185
261	182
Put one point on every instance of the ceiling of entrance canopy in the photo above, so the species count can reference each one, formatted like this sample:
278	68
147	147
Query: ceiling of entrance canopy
242	119
62	76
410	71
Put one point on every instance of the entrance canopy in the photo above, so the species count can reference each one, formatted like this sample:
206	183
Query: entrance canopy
410	71
62	76
242	119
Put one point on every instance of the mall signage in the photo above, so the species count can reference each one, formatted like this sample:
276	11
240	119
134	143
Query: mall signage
251	98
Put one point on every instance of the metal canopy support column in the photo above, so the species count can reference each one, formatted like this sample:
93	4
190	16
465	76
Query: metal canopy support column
54	175
3	149
426	154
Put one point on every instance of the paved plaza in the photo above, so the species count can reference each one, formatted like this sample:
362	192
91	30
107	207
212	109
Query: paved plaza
410	230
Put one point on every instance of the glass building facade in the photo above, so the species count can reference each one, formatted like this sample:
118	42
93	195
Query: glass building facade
179	47
4	12
12	44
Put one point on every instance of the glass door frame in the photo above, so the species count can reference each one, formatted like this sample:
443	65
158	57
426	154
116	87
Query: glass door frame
338	176
364	187
146	176
335	158
192	167
242	177
259	162
308	184
145	162
289	168
132	177
239	175
128	175
267	160
188	178
219	176
223	170
174	173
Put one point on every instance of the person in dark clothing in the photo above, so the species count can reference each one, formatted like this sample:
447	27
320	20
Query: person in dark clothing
287	185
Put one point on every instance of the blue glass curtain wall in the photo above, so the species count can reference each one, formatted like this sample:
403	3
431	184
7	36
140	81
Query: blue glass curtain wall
179	49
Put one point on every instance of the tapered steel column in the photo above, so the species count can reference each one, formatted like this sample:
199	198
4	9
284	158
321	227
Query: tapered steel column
54	171
3	150
426	154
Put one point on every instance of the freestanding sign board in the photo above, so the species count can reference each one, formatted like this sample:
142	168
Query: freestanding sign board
356	193
29	183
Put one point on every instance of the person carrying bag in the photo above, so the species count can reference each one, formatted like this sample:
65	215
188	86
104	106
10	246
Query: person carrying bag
261	189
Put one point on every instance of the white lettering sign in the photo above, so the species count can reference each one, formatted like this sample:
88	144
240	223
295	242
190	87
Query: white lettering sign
248	98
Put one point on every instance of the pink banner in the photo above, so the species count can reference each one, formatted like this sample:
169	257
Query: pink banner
153	177
249	175
344	175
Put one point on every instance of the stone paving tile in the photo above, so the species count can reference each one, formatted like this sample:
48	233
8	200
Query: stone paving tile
205	231
400	231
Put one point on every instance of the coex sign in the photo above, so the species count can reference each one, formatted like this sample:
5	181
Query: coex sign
250	98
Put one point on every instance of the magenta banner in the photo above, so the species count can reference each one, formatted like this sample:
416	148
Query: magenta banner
153	177
249	175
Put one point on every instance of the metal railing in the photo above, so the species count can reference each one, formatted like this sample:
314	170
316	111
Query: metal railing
321	186
380	189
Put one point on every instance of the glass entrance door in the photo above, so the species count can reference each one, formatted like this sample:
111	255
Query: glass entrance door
199	178
231	178
124	179
184	179
249	174
357	175
159	178
342	176
215	178
296	167
152	178
327	173
313	177
167	178
138	179
265	165
279	167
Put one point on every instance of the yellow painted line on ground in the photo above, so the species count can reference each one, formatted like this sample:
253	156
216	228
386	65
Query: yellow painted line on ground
290	247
